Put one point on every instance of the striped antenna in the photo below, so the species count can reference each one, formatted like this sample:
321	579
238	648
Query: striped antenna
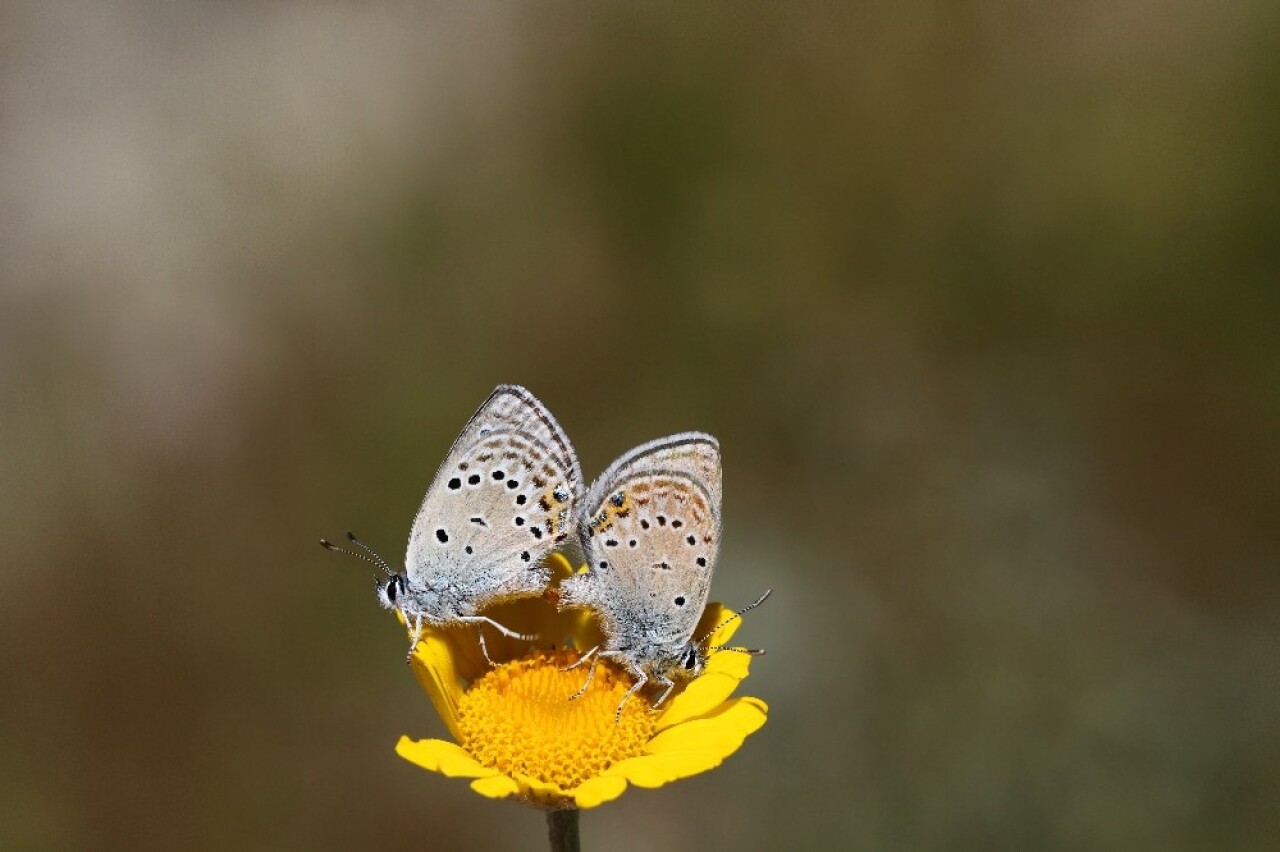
730	620
369	554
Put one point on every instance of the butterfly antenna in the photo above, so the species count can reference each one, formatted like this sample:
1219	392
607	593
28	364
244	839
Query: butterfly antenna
746	609
367	549
368	556
752	652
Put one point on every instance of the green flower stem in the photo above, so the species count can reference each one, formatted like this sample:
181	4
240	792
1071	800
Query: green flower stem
562	829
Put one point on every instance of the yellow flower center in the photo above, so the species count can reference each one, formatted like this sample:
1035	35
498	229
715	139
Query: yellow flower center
518	719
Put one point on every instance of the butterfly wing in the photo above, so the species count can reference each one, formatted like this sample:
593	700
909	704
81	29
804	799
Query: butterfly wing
501	500
650	534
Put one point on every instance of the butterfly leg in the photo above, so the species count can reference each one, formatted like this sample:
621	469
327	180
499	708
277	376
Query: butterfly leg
505	631
416	637
590	673
581	659
670	684
482	620
484	648
479	622
641	680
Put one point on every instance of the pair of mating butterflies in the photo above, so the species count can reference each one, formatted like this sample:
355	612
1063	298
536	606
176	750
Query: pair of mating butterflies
510	492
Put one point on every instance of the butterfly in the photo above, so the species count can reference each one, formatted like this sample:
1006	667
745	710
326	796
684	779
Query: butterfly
650	533
502	500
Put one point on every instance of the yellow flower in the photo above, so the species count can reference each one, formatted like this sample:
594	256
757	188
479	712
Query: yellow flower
518	735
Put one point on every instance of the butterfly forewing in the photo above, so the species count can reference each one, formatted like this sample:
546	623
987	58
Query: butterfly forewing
502	499
651	532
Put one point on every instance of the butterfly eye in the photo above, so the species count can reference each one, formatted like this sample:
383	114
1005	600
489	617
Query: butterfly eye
392	588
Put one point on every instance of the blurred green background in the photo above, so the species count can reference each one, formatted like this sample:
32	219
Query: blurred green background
980	298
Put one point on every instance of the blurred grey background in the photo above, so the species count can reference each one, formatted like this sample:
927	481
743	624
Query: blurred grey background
980	298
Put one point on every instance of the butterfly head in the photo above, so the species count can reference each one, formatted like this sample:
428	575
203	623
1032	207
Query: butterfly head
391	590
693	657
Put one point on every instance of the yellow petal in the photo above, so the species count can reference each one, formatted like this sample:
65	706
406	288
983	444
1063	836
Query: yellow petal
544	793
465	641
692	747
560	567
654	770
433	664
540	788
567	629
441	756
720	732
699	697
598	790
584	627
467	659
496	786
748	710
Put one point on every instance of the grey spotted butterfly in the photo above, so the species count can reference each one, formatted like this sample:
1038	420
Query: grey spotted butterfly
501	501
650	532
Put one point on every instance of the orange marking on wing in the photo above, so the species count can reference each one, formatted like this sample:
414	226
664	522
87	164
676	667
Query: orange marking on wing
611	512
